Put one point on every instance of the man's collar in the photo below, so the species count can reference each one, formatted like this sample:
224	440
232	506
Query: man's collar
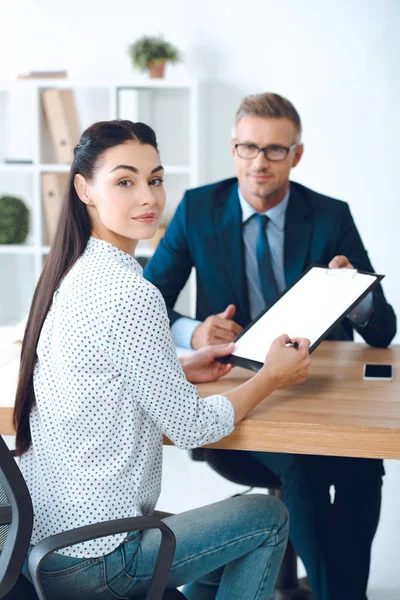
276	214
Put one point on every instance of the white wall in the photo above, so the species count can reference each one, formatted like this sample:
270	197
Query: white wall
337	61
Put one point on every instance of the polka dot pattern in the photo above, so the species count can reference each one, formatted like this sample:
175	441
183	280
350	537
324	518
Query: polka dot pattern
108	385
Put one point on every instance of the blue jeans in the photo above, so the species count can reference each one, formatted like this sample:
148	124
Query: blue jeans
229	550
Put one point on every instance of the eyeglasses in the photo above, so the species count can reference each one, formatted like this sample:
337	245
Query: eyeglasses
274	152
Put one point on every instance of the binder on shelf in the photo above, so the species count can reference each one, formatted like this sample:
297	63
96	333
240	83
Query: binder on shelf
53	190
63	123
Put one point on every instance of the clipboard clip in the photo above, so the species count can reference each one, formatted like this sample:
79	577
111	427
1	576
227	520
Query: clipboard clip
343	273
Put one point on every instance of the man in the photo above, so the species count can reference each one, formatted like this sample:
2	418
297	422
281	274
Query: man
248	239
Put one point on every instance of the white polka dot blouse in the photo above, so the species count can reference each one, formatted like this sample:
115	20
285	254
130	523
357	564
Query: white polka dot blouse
108	385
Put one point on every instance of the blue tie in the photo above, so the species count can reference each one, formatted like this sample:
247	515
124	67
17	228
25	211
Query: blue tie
269	287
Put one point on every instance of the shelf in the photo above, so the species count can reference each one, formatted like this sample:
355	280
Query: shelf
134	82
177	170
161	102
17	168
17	249
33	168
54	168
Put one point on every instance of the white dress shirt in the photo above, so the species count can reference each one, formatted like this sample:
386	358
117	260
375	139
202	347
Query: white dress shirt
108	385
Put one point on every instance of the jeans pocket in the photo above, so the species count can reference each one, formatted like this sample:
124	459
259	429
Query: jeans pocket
120	569
83	580
130	551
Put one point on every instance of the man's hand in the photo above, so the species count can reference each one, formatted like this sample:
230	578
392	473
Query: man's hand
216	329
340	262
201	366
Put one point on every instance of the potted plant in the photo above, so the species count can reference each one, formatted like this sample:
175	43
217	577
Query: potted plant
152	53
14	220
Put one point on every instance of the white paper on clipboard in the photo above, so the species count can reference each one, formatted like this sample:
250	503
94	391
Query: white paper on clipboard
319	299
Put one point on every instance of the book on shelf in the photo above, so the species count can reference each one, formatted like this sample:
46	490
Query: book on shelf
53	190
63	123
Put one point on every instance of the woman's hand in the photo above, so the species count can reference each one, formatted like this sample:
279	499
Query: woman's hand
284	366
287	365
201	366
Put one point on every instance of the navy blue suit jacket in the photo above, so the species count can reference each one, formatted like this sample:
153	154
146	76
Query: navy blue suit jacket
206	232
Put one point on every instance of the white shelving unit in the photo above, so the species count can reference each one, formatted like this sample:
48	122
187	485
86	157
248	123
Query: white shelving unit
170	107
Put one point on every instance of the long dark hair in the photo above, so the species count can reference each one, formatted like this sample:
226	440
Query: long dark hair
72	235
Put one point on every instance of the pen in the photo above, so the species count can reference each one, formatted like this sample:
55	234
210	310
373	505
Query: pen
293	344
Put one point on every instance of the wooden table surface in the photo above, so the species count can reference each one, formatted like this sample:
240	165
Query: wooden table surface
333	413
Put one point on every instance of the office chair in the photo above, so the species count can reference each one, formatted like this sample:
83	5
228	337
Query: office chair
16	522
239	467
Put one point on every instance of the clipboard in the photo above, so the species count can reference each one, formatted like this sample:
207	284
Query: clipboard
310	307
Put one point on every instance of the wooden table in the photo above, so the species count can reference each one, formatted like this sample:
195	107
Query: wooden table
334	413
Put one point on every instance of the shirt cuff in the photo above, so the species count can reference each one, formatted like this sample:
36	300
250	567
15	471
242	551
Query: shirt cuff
360	315
224	419
182	331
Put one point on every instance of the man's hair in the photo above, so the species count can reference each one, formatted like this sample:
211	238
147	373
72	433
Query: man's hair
268	106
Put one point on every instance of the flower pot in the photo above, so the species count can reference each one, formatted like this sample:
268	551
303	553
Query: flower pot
156	69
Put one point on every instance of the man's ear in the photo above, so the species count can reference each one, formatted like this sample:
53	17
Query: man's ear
298	153
233	149
82	188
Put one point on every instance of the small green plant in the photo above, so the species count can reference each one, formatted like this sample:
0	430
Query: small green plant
14	220
149	49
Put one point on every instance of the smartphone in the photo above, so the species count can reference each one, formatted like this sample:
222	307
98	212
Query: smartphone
378	372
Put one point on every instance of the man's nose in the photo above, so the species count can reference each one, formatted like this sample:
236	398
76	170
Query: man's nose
260	160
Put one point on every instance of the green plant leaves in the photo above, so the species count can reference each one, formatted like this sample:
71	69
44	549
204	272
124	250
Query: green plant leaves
152	49
14	220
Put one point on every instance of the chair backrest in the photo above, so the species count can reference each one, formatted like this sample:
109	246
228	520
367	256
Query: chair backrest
16	520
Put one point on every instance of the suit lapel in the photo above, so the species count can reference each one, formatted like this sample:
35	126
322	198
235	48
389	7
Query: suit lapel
298	229
228	225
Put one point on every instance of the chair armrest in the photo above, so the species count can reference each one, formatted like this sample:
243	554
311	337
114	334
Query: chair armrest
96	530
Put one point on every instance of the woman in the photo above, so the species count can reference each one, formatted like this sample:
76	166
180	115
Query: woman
100	383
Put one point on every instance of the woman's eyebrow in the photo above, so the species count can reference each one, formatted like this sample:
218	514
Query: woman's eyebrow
128	167
134	169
